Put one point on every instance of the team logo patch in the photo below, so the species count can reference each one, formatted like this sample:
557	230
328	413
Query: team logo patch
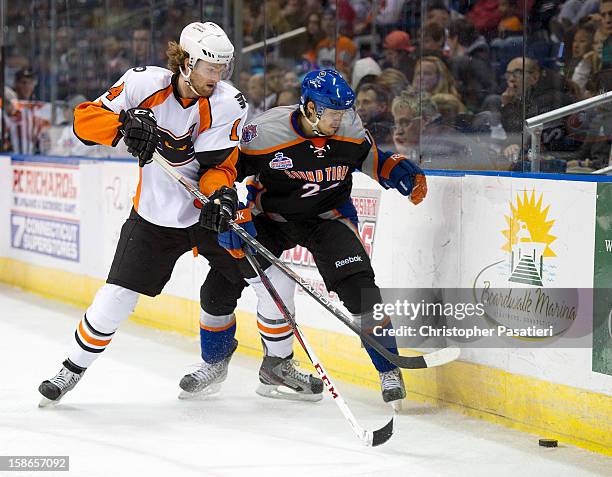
281	162
249	133
178	150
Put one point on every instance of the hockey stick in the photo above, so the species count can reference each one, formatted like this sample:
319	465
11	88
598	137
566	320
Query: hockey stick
436	358
372	438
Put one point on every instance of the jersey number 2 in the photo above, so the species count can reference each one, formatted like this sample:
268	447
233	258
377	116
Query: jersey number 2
311	189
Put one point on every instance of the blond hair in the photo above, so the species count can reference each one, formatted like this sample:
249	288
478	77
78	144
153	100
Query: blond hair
176	56
446	82
392	79
419	103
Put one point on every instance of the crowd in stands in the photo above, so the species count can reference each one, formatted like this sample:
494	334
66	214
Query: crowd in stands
447	82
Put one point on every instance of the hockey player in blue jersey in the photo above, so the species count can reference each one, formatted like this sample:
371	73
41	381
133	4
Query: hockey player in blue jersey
300	160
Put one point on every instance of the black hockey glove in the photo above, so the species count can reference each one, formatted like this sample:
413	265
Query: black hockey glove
220	208
139	129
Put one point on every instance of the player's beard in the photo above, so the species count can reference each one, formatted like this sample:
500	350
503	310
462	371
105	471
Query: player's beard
204	91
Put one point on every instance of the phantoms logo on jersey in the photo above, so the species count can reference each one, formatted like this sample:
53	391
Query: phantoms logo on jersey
281	162
178	150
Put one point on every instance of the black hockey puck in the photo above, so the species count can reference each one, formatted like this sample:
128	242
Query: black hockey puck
548	442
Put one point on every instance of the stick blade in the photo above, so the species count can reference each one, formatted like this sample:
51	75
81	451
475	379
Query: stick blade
441	357
382	435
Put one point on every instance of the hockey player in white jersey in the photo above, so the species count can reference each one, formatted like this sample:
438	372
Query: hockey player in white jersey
194	119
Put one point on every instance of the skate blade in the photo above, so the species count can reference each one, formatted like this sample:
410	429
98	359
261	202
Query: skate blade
214	388
397	405
282	392
48	403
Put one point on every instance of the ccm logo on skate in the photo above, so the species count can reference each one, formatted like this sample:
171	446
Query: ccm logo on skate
346	261
326	380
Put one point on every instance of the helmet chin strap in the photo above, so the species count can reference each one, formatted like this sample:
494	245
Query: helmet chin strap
314	124
186	78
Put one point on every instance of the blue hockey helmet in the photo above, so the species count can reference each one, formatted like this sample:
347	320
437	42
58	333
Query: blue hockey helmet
327	89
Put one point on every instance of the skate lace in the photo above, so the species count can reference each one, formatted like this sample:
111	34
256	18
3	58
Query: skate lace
390	379
289	368
64	378
207	371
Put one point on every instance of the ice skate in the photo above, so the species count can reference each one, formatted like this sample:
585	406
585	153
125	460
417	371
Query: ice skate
207	379
280	379
54	389
392	386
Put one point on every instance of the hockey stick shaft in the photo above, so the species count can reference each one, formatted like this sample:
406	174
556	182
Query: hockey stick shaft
436	358
369	437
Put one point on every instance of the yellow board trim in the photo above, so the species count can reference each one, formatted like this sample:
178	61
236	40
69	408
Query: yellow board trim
573	416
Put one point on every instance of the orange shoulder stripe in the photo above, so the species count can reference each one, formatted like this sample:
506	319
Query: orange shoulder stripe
156	98
205	114
259	152
95	124
348	139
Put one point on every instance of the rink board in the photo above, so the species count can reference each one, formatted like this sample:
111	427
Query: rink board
63	218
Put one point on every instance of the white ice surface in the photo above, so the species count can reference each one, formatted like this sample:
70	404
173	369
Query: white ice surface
124	418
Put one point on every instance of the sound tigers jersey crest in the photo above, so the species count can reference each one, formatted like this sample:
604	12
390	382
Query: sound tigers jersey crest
186	127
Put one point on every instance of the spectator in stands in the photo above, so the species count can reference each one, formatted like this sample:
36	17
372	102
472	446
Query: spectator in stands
365	70
293	14
449	108
420	134
433	39
273	76
399	52
140	51
605	11
583	62
255	95
25	84
470	63
438	12
373	105
62	140
304	46
309	41
343	49
113	57
393	80
509	24
288	97
537	92
572	12
30	118
290	80
433	77
389	15
275	23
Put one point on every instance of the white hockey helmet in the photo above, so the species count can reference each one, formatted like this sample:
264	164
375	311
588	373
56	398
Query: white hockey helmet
208	42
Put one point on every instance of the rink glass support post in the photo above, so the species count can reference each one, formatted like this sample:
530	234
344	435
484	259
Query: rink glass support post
534	151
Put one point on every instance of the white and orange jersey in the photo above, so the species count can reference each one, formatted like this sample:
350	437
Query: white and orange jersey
198	136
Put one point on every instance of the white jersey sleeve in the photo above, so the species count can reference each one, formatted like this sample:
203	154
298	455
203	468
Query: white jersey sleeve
135	87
